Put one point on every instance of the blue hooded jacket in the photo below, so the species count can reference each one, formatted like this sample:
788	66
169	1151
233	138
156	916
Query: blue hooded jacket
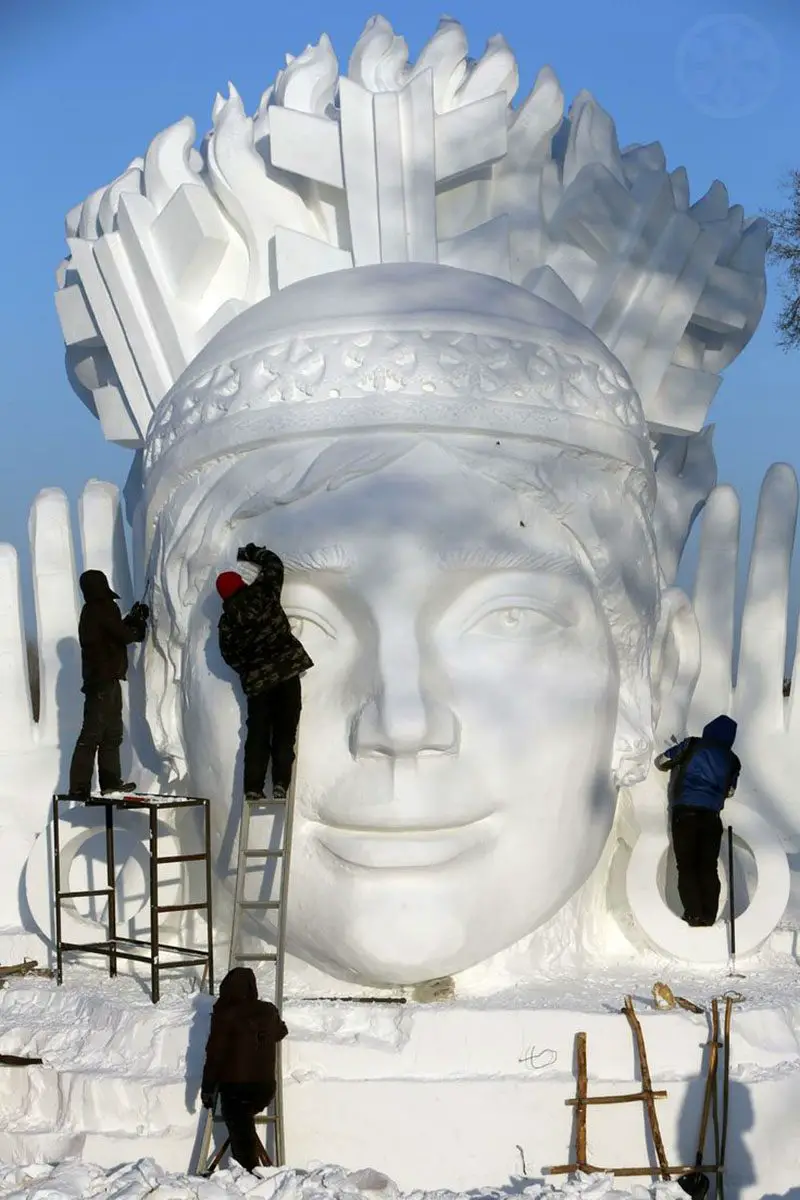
704	771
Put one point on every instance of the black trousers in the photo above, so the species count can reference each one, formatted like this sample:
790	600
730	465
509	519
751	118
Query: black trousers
240	1103
696	840
272	720
100	737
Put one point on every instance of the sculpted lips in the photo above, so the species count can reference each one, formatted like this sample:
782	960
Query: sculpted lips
387	849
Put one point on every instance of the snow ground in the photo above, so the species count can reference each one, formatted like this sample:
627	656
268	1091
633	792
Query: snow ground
120	1080
73	1180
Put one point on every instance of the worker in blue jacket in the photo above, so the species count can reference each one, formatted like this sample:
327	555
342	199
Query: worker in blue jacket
704	772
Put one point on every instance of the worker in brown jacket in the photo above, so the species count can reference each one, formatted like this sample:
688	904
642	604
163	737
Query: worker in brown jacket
240	1060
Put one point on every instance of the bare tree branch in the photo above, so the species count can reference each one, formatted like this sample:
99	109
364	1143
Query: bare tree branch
785	252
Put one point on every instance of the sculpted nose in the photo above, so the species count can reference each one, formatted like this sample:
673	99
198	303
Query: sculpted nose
404	716
379	729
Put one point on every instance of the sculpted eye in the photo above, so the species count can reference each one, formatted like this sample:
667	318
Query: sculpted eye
516	622
305	625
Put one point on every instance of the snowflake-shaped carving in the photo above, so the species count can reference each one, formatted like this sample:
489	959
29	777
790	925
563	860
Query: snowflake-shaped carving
288	388
213	411
225	380
543	371
475	378
404	357
495	353
579	384
466	370
381	378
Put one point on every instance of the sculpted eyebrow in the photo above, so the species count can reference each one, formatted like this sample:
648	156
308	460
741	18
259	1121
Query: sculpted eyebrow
318	558
523	559
336	559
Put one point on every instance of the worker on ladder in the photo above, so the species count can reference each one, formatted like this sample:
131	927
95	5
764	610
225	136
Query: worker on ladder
240	1061
256	640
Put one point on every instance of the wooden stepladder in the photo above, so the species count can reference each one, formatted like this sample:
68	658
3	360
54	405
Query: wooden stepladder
647	1097
272	875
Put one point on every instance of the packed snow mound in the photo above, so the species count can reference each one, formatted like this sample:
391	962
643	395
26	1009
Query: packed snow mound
74	1180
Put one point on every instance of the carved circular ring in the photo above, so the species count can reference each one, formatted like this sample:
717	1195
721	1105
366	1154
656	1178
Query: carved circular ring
665	930
79	924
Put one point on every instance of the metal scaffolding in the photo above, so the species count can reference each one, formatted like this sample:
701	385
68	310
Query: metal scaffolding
140	950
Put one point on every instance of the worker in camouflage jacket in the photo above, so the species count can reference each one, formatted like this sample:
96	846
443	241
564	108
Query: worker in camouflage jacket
256	640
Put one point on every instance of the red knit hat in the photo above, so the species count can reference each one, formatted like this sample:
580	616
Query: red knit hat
229	583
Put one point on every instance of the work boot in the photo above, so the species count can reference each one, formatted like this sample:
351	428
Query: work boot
254	795
120	788
695	1185
279	792
81	794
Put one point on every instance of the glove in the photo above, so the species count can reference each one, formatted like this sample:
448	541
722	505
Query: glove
139	613
247	553
207	1099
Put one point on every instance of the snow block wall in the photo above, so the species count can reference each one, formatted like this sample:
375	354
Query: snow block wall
459	1096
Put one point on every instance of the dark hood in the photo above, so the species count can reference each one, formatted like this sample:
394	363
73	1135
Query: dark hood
238	986
95	586
721	730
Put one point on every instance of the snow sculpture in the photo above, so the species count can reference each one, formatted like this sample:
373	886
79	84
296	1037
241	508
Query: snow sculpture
34	754
400	162
453	360
765	816
455	656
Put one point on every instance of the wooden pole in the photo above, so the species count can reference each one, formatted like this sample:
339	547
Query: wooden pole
571	1168
628	1098
726	1075
647	1088
28	967
719	1185
711	1083
580	1100
217	1159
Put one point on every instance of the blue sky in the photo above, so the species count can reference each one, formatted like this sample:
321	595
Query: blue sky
85	85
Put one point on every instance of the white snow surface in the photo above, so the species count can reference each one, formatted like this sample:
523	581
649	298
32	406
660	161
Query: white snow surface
395	1085
73	1179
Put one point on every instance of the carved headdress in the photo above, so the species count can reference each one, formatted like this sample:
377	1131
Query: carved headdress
399	162
399	248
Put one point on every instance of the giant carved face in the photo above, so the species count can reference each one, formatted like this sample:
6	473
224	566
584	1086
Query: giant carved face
458	733
479	613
